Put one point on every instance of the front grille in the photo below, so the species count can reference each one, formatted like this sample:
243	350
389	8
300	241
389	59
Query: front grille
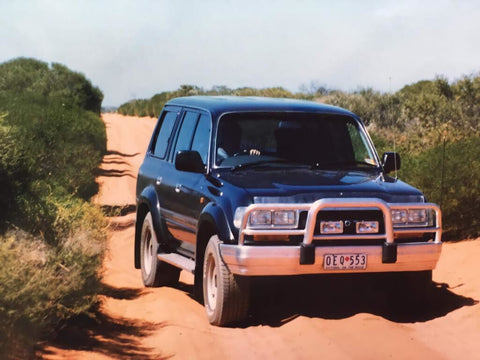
350	218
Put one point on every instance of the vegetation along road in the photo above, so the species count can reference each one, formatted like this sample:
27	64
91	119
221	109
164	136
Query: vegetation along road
301	318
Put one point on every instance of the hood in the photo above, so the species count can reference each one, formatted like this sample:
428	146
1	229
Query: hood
306	186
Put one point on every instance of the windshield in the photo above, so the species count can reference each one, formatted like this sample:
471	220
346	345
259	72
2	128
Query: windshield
292	139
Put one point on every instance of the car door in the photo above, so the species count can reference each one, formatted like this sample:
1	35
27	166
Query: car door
188	195
156	170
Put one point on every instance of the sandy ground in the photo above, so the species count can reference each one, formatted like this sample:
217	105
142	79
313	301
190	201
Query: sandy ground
301	318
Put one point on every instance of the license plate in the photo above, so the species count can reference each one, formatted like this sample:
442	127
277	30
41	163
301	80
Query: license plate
345	261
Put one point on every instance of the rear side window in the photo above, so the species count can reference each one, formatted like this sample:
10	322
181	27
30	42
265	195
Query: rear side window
164	135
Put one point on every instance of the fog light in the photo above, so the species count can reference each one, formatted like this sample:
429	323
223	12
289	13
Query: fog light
331	227
367	227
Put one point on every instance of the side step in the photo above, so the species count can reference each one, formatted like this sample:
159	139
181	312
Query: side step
178	261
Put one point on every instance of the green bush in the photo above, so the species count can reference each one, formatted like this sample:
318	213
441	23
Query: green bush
49	146
31	76
52	240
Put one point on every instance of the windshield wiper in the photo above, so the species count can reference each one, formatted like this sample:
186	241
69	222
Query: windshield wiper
344	164
265	162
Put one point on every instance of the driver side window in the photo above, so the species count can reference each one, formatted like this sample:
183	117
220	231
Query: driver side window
201	139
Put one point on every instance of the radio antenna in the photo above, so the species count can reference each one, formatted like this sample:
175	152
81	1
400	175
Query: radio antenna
443	168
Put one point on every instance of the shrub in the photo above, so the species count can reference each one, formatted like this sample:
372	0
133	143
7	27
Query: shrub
51	143
48	147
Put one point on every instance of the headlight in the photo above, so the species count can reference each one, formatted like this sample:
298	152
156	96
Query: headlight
261	217
284	218
411	217
399	216
273	218
417	216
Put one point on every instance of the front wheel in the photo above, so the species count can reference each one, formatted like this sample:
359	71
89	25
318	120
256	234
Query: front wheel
225	295
154	272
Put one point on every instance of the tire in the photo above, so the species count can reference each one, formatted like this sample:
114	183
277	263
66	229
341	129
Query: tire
226	296
154	272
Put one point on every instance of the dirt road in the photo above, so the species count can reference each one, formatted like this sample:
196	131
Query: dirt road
309	318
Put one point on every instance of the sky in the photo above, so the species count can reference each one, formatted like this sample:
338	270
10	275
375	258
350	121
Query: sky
135	49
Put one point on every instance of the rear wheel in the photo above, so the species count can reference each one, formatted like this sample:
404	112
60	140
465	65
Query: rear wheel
154	272
225	295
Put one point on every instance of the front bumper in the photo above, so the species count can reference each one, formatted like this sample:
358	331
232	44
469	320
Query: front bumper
308	258
284	260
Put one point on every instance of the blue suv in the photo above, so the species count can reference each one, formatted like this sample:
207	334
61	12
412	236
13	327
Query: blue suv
238	187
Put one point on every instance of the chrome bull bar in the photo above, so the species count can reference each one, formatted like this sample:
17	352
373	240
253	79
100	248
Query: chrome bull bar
307	248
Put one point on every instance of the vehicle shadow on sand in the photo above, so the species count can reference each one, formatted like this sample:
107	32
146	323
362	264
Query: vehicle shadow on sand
278	300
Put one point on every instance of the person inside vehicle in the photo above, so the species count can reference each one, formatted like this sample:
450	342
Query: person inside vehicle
228	139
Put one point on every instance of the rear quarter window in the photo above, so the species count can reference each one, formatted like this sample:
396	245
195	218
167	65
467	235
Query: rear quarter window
164	135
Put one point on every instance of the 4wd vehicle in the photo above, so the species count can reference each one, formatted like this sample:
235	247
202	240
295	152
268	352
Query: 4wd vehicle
235	187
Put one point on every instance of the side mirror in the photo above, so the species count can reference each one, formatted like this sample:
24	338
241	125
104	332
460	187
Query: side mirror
189	160
391	161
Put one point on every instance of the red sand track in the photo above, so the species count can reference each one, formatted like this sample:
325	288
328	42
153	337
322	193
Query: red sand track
291	320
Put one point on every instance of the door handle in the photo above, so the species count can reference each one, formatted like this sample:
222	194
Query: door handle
158	180
178	188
